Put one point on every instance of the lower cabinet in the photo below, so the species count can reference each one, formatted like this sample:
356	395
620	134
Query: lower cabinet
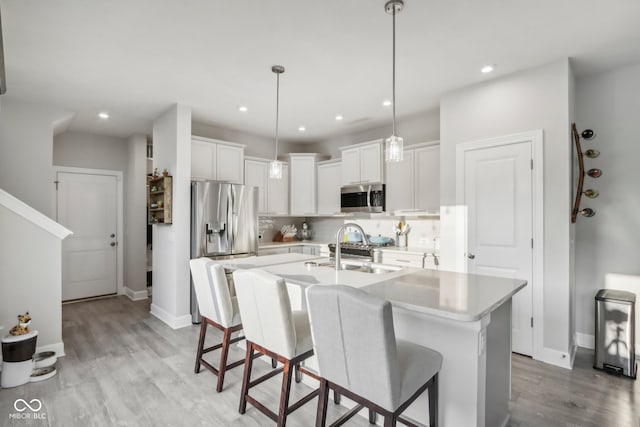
403	260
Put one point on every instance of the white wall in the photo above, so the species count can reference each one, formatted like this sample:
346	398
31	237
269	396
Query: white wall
171	280
91	151
607	243
534	99
26	151
414	129
135	219
31	281
257	146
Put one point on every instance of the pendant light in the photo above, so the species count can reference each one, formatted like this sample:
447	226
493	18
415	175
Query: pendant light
275	167
394	145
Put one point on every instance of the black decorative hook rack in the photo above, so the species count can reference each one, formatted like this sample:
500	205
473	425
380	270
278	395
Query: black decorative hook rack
586	134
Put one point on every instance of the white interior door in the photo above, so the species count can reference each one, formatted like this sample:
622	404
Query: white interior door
498	197
87	205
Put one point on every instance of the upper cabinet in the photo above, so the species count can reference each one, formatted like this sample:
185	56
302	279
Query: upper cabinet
273	194
302	198
414	183
362	163
216	160
329	187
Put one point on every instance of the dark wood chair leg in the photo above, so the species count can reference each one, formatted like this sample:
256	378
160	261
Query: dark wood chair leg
390	420
373	417
223	359
274	363
284	393
298	376
248	363
336	397
323	399
203	332
433	402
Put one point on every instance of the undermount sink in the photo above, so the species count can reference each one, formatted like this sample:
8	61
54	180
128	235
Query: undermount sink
364	267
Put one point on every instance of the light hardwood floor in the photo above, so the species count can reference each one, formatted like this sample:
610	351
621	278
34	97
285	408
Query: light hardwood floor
124	367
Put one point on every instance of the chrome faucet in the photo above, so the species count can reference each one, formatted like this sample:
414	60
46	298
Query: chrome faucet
339	235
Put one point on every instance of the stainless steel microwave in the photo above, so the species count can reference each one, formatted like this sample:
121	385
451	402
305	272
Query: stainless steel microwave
363	198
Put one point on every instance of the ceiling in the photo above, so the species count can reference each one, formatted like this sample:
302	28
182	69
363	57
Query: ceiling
136	58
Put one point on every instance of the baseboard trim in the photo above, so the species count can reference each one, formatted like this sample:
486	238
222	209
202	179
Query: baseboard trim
589	341
556	358
136	295
174	322
585	340
57	347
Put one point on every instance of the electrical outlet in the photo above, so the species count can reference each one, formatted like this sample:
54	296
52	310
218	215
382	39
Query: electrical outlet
482	342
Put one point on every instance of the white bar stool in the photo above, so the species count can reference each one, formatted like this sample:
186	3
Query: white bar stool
359	356
272	329
219	310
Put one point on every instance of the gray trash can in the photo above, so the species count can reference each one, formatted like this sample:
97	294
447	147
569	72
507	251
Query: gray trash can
615	332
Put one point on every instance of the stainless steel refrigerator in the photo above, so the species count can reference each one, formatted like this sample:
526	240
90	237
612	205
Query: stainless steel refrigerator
224	224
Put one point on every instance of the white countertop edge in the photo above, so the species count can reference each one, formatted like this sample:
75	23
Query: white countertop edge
272	245
451	315
412	250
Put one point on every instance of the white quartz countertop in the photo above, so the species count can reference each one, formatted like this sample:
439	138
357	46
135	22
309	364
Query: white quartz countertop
455	296
264	261
273	245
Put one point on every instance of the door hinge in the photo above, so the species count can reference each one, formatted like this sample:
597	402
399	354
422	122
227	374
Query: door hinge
532	164
532	243
532	322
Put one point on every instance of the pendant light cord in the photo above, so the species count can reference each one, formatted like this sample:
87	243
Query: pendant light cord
393	101
277	110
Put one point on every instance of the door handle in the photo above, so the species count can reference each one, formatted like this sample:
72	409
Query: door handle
470	255
113	243
112	235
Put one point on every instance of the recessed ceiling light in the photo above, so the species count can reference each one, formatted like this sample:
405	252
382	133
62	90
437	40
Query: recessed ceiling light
339	117
302	128
486	69
243	109
103	115
386	102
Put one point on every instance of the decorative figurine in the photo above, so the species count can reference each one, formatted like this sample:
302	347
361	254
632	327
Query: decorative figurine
165	172
155	173
23	325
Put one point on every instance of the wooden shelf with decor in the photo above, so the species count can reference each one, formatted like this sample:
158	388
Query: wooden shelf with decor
159	199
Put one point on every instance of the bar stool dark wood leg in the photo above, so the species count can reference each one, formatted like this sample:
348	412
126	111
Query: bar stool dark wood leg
323	400
203	333
284	393
433	402
248	364
223	359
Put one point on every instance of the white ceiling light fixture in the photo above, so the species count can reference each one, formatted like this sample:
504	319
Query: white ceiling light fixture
103	115
386	103
394	145
487	69
243	109
275	167
302	129
339	117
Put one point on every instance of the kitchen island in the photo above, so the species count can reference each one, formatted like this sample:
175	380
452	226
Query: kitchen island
467	318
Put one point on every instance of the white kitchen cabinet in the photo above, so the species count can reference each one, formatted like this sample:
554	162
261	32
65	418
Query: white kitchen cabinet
362	163
329	187
414	183
403	259
302	197
216	160
273	194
